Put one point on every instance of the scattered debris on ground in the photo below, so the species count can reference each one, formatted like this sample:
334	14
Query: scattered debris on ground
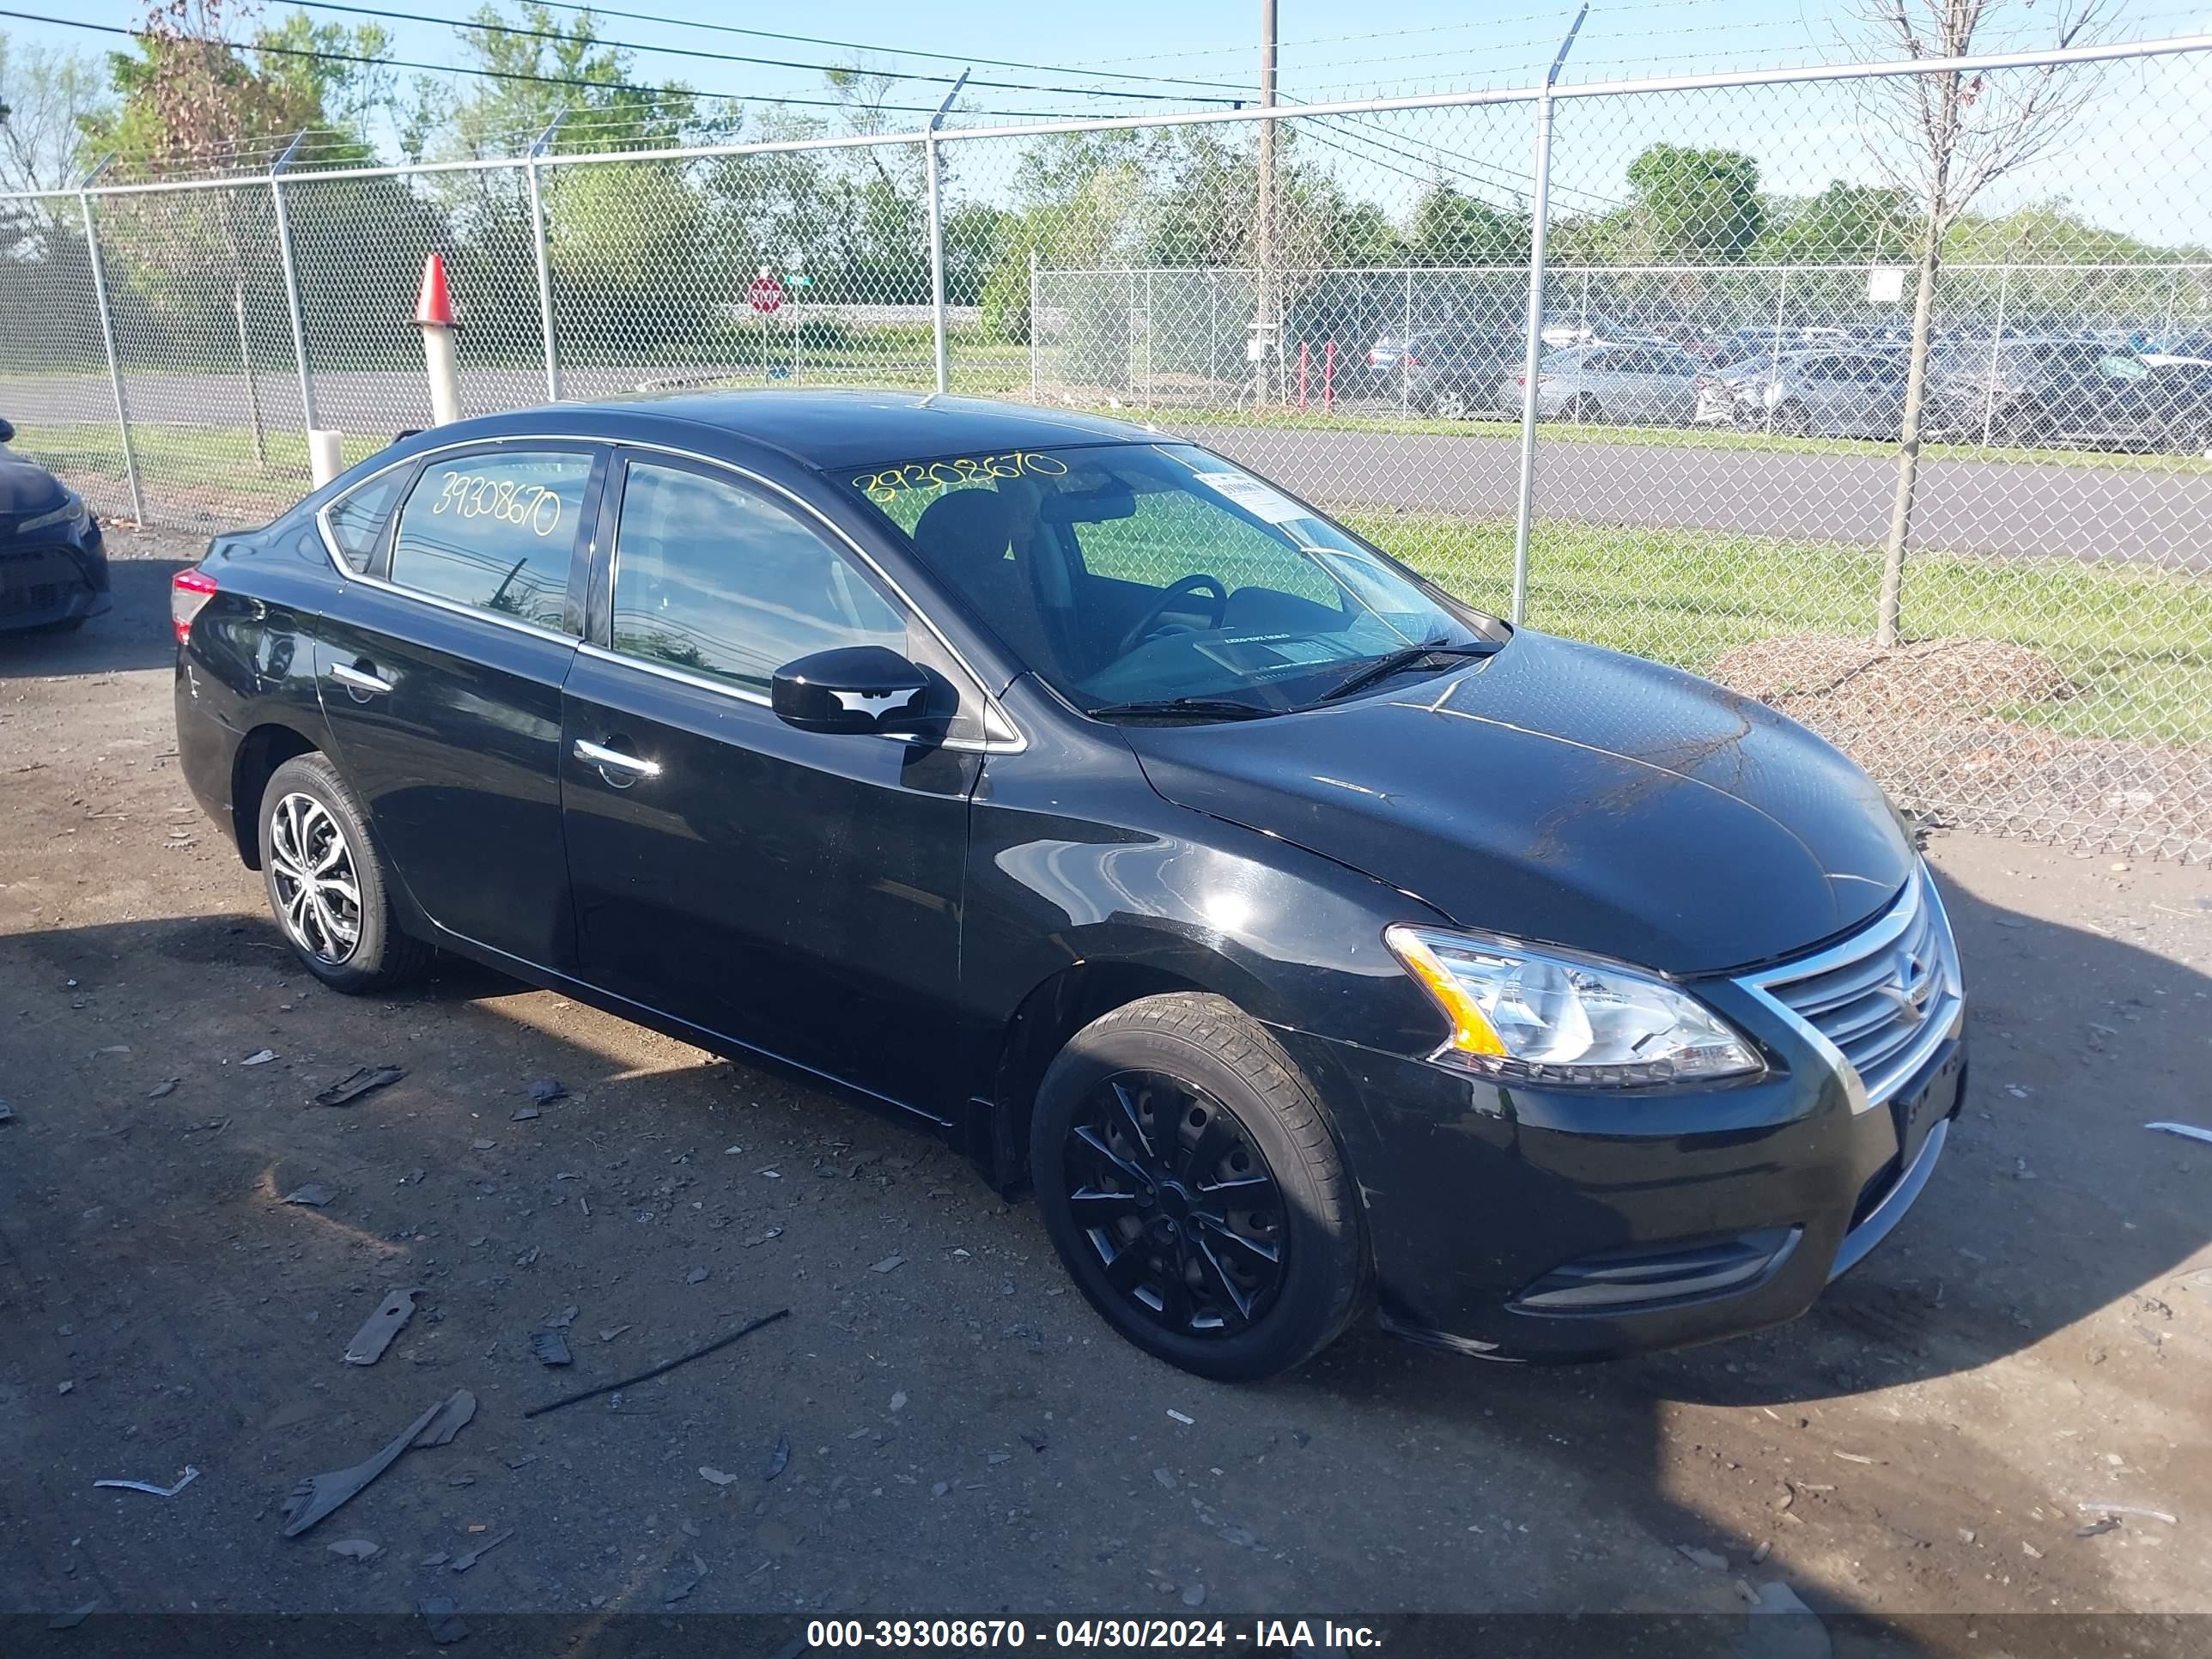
312	1196
318	1494
184	1480
376	1332
468	1559
2189	1130
357	1549
259	1057
366	1080
440	1614
546	1089
550	1348
715	1346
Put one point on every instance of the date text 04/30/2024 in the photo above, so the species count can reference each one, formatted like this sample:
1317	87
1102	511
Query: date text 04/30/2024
1261	1635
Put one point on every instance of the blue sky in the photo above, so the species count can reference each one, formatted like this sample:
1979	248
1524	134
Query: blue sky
2137	158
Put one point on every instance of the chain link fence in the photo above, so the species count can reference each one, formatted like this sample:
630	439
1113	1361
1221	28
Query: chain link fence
1883	395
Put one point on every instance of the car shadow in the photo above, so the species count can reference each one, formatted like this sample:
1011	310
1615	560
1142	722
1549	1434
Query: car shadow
1537	1473
132	633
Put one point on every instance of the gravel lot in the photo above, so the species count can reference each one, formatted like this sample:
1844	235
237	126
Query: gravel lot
964	1435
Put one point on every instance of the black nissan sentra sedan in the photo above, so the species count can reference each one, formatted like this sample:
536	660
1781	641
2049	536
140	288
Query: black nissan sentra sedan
1310	942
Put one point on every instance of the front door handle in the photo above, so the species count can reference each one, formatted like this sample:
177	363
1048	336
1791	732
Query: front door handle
358	680
613	760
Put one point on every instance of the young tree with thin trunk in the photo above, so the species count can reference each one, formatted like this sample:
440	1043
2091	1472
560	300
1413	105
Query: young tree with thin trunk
1948	137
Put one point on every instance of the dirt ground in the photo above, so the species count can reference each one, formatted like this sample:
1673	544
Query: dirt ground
964	1435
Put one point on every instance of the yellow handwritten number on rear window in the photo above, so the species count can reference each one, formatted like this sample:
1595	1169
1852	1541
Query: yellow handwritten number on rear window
886	487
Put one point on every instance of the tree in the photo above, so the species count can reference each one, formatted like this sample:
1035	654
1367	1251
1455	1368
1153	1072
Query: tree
1449	227
1697	206
1843	224
46	98
1950	136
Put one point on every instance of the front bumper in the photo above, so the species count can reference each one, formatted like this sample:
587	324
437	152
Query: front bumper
1518	1224
48	582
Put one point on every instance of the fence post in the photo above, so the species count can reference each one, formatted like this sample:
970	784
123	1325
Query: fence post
1524	494
544	261
1151	322
292	284
107	340
1996	345
1405	350
1774	357
937	237
1034	388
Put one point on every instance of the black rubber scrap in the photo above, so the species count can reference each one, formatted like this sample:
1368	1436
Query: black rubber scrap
550	1347
366	1080
444	1621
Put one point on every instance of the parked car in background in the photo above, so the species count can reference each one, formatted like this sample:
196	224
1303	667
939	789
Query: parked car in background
1454	373
1310	943
2050	391
53	564
1617	385
1827	394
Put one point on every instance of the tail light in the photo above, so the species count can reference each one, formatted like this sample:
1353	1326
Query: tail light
189	591
1411	360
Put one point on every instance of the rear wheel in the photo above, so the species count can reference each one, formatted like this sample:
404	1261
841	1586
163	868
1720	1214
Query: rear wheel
1792	421
1192	1186
1585	410
1451	403
327	885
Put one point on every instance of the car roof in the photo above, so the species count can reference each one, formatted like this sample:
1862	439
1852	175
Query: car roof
822	428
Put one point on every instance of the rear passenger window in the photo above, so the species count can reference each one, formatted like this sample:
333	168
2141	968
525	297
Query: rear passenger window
718	579
357	520
495	531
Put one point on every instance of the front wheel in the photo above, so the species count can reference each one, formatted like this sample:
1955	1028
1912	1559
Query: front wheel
1190	1182
327	887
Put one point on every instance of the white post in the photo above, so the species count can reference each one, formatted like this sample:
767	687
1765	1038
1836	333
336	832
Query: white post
1033	325
1774	357
1405	350
433	316
1524	498
326	455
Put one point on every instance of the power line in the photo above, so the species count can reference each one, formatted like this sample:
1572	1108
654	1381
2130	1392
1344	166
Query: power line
676	92
524	33
963	58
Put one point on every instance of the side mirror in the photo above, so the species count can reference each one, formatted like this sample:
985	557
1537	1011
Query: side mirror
858	689
6	431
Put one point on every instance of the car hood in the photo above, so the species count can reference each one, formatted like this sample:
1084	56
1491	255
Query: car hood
1561	793
26	488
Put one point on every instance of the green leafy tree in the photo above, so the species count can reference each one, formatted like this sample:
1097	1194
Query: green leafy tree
1843	224
1450	228
1697	206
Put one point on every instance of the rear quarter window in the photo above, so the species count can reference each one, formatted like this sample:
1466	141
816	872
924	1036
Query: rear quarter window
358	518
496	533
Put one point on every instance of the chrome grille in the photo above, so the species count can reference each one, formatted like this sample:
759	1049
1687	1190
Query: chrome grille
1884	999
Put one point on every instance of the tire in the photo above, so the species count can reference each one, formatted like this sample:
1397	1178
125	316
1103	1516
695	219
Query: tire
1791	421
1131	1227
319	807
1584	410
1451	404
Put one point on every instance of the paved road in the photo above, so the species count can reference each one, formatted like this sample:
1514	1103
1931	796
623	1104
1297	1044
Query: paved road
2085	510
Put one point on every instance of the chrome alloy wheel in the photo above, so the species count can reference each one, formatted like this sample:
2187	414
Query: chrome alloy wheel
312	870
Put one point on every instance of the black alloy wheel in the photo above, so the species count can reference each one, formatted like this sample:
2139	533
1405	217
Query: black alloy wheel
1191	1182
1178	1203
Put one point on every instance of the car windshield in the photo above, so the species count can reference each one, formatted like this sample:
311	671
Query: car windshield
1163	576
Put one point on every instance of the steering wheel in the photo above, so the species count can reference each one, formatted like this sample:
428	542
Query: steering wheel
1198	581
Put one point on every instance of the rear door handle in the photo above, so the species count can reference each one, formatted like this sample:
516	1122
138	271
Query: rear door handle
613	760
358	680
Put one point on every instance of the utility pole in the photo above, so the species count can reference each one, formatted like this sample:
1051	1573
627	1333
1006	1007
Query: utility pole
1264	343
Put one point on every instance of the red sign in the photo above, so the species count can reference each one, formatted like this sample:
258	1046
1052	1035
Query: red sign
766	293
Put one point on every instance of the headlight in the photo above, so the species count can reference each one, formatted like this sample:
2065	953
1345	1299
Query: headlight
1519	1015
71	512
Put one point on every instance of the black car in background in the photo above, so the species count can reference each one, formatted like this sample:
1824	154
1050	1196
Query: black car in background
1308	941
53	565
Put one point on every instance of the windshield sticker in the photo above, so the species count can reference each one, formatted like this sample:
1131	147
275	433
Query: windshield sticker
1254	497
884	487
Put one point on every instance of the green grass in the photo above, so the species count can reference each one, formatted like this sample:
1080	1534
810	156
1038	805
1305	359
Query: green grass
1634	437
2136	642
